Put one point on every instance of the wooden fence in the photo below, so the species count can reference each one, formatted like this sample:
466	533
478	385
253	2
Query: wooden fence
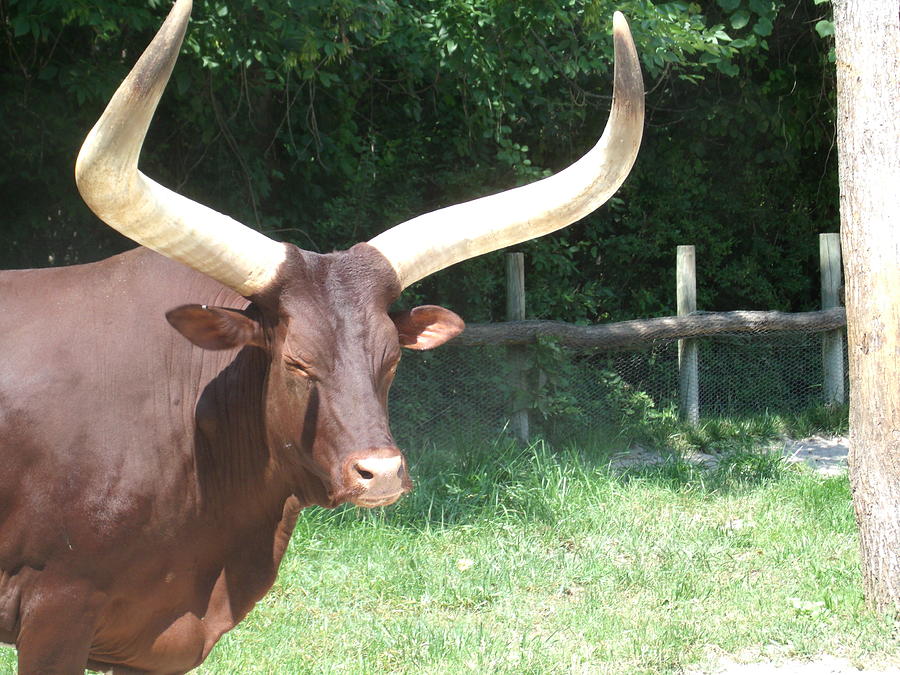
688	325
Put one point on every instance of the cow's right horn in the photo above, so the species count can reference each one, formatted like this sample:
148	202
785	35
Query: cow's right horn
436	240
150	214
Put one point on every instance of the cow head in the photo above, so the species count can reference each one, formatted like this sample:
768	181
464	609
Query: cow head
332	349
322	320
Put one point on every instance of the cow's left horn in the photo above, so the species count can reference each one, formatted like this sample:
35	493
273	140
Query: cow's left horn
124	198
436	240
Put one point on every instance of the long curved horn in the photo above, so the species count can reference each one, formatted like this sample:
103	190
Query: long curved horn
150	214
436	240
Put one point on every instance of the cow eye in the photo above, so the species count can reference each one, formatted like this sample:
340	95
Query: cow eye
299	368
391	369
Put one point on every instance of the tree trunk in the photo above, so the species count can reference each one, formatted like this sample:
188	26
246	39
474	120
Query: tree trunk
867	35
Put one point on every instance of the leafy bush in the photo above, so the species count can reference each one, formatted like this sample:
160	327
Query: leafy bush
325	123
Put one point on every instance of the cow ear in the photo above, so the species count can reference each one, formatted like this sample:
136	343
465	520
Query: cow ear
215	327
427	327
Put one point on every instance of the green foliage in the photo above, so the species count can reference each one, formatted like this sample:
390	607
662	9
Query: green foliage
550	382
324	122
572	395
635	414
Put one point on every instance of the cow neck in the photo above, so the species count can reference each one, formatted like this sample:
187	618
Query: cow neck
235	467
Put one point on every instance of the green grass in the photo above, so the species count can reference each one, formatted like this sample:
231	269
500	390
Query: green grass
533	560
511	560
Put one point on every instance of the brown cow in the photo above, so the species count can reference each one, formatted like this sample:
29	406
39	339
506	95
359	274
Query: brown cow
149	483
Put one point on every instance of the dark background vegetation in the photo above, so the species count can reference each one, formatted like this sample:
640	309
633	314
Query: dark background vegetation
324	122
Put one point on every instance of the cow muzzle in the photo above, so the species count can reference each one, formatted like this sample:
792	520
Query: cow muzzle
375	477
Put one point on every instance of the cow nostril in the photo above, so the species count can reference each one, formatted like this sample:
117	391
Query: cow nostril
365	475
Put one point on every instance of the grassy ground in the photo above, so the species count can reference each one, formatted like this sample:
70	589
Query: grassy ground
533	560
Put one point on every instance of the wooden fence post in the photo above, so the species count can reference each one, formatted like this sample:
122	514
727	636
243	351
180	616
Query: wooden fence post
688	380
515	311
833	340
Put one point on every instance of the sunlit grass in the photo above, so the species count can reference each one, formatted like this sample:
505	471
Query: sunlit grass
513	560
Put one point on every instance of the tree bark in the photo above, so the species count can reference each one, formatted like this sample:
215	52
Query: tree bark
867	39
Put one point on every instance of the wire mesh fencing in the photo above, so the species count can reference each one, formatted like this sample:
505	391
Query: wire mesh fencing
470	392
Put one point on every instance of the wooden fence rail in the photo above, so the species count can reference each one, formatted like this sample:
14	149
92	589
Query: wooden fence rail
644	332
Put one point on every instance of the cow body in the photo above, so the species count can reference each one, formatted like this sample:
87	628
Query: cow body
148	487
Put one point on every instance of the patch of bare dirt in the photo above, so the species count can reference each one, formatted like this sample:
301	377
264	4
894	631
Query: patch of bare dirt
827	456
823	665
